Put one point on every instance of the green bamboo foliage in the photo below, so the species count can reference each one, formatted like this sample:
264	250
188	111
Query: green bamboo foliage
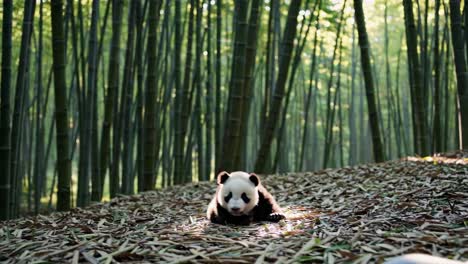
5	186
369	82
61	112
287	46
214	86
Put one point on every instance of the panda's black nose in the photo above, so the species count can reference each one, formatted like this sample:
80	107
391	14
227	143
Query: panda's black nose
235	209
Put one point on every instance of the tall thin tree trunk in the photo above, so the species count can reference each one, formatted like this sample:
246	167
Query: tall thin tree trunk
218	134
83	173
38	177
388	84
285	58
399	122
353	153
446	83
305	133
19	108
184	105
140	96
332	109
92	87
417	98
198	87
232	123
178	141
61	113
269	50
328	125
425	61
5	146
126	103
437	128
369	82
150	126
250	55
292	77
461	71
465	11
209	100
112	92
97	190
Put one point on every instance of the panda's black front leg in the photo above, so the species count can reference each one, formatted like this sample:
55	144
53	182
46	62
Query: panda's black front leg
275	217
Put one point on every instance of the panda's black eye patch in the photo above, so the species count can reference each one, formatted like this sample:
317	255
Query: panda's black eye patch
245	198
228	197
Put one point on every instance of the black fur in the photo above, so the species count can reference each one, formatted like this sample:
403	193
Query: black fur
266	210
222	177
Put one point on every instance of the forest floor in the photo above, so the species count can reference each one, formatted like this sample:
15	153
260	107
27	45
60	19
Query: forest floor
359	214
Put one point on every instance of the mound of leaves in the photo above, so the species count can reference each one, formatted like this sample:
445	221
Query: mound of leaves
359	214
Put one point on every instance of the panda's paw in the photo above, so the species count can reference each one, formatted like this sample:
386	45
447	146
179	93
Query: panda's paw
276	217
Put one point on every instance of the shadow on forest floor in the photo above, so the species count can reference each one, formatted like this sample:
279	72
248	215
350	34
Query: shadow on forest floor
360	214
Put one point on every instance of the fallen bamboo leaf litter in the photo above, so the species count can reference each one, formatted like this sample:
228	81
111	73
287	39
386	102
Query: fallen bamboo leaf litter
362	214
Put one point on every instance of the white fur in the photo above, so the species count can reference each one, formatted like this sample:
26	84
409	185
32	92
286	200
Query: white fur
237	184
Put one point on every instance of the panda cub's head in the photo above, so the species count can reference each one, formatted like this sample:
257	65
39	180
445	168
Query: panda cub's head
238	192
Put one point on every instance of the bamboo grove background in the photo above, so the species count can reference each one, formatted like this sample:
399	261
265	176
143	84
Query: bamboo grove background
100	98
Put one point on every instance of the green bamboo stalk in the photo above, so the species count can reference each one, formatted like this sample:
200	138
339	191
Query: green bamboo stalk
287	46
460	70
369	82
5	129
19	108
149	154
61	114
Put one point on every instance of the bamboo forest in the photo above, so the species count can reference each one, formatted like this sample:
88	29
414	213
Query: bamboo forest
147	94
126	113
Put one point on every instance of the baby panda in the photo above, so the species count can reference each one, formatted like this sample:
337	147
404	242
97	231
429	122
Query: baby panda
241	199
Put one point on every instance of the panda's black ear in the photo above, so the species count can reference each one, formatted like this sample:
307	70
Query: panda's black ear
254	178
222	177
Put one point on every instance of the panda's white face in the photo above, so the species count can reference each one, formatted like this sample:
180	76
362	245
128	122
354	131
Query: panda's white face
239	194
